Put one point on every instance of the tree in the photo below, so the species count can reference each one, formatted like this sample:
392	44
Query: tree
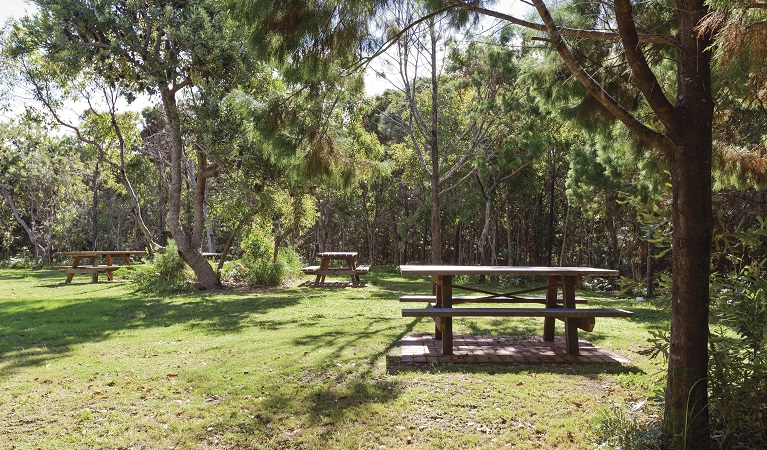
683	132
161	47
39	181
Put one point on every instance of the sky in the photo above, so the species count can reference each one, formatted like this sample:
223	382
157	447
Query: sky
13	8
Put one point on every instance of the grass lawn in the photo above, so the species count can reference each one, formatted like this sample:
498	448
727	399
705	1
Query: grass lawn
87	366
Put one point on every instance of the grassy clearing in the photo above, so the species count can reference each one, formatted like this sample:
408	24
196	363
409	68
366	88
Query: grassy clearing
101	366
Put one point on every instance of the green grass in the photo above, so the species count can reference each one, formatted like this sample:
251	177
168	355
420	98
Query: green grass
86	366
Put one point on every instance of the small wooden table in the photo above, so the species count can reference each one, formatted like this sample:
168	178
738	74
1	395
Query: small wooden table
94	268
556	307
325	268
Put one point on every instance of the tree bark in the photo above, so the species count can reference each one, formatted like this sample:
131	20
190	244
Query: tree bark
436	223
188	249
30	233
687	144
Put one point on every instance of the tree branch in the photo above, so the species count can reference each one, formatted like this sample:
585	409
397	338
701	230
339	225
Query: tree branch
642	131
644	77
573	32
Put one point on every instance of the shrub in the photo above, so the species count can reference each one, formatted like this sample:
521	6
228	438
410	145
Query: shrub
262	271
17	263
165	273
258	244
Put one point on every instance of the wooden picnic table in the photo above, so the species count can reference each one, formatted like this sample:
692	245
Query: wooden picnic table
95	267
325	268
558	279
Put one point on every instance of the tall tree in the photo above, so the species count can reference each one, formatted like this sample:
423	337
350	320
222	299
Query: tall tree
160	47
682	131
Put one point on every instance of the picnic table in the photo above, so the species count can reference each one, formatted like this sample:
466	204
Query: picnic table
555	306
325	268
95	267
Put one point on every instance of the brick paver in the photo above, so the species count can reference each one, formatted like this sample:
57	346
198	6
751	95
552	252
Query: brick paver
418	348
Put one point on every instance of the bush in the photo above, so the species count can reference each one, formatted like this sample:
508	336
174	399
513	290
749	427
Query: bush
170	266
165	273
258	244
262	271
738	357
617	429
17	263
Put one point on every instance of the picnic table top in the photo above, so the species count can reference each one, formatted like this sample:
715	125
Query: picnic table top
504	270
101	252
336	254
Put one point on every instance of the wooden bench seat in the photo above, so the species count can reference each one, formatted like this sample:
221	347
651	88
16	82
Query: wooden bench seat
310	270
479	298
584	318
87	269
558	313
316	270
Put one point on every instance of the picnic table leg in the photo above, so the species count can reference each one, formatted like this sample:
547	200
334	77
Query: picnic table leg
447	302
95	263
571	324
551	302
353	266
436	288
75	262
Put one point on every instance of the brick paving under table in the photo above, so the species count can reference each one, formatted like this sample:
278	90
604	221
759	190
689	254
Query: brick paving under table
488	349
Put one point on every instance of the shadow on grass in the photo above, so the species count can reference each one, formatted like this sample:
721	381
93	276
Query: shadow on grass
394	365
337	398
33	333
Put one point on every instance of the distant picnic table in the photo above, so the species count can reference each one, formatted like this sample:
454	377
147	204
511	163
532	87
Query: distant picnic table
562	307
95	259
325	268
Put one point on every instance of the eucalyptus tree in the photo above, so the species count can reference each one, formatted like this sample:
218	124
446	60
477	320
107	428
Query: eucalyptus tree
159	47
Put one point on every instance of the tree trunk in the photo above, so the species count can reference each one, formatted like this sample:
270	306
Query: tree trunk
550	233
95	209
612	230
436	223
188	249
278	240
32	238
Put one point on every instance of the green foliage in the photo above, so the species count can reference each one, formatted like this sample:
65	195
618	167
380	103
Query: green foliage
256	267
738	342
257	244
738	352
17	262
618	429
167	272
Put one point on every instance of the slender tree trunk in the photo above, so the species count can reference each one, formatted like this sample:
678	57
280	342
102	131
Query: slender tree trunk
436	223
228	246
138	217
564	237
278	240
187	248
95	208
612	230
550	234
650	273
32	237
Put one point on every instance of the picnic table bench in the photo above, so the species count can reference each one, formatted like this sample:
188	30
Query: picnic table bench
556	307
95	267
325	268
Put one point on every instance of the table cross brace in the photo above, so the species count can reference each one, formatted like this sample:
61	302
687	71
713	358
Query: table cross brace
494	295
